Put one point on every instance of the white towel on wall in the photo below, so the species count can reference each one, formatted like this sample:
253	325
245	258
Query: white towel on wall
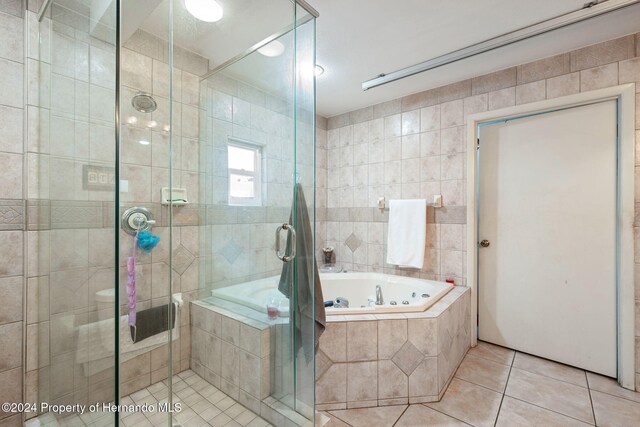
407	232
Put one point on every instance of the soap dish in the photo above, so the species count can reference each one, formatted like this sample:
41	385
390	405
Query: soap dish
174	196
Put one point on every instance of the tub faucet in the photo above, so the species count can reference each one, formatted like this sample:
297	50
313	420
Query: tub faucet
379	299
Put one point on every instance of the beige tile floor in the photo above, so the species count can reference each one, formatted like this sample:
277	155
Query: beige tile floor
495	386
202	405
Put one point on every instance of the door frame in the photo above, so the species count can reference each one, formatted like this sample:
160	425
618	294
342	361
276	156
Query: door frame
625	96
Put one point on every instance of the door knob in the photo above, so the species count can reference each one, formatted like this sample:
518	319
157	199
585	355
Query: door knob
485	243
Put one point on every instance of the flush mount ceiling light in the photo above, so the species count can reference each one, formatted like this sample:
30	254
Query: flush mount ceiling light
204	10
274	48
318	70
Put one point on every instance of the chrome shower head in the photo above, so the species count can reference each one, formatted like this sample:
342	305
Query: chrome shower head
144	102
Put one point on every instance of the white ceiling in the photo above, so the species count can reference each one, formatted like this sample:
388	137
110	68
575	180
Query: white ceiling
360	39
244	23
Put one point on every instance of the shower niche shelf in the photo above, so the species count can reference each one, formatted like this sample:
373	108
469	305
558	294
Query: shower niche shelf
174	196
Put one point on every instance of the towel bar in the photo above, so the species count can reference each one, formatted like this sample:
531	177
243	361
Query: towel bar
437	202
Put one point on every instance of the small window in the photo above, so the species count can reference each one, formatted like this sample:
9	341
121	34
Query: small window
245	174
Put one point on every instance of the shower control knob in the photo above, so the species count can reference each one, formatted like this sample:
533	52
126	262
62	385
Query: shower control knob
485	243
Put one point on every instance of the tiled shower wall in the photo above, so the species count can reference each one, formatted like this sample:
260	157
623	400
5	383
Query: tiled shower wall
69	124
238	240
56	238
146	168
321	187
12	209
414	147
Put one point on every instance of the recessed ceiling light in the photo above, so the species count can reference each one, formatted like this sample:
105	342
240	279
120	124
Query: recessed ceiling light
204	10
144	142
319	71
274	48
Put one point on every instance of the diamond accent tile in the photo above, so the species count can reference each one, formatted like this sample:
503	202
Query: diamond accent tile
407	358
231	251
182	259
353	242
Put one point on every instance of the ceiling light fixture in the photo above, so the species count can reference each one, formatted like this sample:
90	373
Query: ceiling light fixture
319	70
204	10
272	49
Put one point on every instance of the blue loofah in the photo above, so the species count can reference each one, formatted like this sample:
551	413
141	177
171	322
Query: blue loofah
147	241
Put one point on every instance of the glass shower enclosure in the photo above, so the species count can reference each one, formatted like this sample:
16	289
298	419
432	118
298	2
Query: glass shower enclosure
171	193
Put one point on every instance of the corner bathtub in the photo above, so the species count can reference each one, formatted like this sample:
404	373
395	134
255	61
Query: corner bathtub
408	294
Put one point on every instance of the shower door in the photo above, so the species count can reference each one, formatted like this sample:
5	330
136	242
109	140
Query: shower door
126	115
71	62
95	152
258	157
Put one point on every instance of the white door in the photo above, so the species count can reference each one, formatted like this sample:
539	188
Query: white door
547	207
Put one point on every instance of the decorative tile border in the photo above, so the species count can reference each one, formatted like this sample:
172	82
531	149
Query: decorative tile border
63	214
38	214
12	215
444	215
191	214
67	214
225	214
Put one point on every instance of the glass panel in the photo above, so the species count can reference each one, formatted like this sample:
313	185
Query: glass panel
169	148
152	113
305	219
241	238
244	286
71	151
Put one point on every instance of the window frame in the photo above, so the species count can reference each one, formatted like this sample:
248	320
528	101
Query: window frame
258	156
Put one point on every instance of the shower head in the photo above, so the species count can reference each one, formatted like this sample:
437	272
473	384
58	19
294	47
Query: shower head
144	102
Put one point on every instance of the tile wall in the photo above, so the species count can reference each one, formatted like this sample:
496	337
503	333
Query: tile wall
233	353
146	168
238	240
414	147
69	123
12	208
57	236
392	359
417	141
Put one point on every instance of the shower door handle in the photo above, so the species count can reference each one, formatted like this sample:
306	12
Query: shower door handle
284	257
